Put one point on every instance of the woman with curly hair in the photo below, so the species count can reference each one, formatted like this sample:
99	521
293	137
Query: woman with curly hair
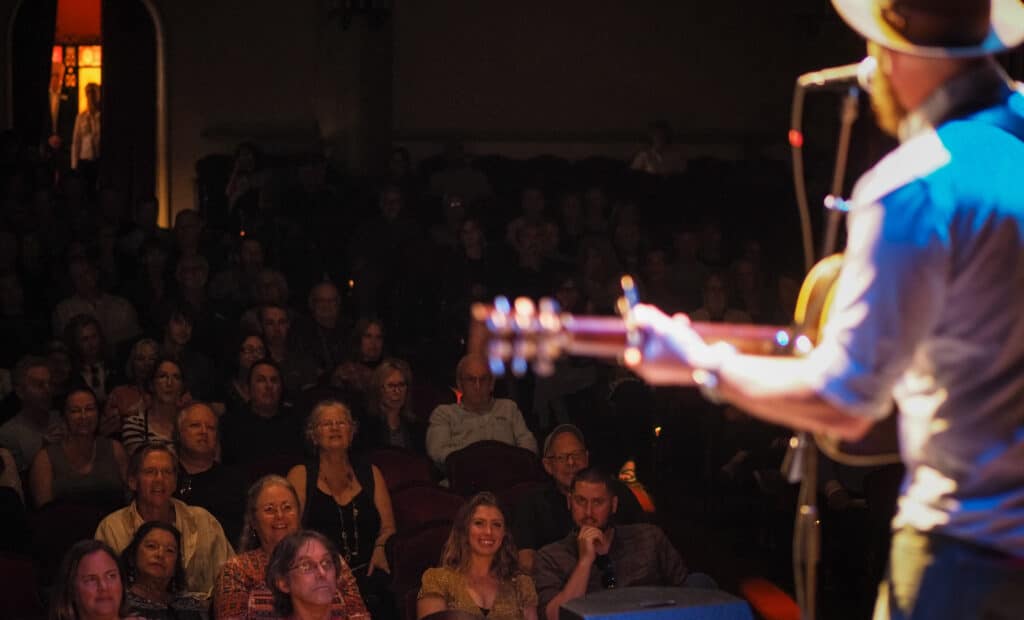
479	573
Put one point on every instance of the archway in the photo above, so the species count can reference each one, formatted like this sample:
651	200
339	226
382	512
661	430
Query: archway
135	96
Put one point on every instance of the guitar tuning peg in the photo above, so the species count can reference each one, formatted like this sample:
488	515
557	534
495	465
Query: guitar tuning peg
519	366
497	366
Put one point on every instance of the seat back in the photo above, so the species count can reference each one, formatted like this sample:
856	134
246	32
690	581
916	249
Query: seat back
414	551
491	466
417	504
19	596
401	467
59	525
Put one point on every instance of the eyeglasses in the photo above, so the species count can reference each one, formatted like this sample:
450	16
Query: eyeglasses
82	410
307	567
607	567
577	457
283	509
253	351
334	424
476	379
394	387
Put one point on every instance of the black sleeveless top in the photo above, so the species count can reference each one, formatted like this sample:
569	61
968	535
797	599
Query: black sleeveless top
353	527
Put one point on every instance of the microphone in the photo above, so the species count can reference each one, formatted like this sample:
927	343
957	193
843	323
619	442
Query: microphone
841	77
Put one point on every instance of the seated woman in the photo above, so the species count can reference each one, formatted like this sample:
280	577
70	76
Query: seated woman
390	420
130	398
156	576
156	421
303	576
272	512
479	573
83	465
367	352
89	584
350	498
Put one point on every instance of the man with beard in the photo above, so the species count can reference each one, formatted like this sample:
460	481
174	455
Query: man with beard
927	311
599	554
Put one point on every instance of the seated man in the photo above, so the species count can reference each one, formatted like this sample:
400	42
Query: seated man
152	475
543	516
298	369
601	554
478	415
36	423
115	314
202	481
264	429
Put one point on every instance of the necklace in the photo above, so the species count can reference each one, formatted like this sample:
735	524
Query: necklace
348	552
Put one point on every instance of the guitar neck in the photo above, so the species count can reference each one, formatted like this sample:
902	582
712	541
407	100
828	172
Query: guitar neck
605	337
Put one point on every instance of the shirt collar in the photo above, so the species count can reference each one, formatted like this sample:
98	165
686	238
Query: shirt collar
975	88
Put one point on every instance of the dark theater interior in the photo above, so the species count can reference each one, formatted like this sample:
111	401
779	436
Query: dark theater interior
267	346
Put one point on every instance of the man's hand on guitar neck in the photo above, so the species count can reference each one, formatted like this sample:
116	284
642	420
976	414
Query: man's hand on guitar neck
671	350
775	389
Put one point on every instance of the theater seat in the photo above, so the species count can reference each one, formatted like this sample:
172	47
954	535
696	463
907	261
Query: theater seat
768	600
59	525
417	504
19	596
491	466
414	551
401	467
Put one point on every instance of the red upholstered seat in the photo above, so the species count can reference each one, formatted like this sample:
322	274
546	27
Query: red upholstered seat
19	596
417	504
491	466
402	468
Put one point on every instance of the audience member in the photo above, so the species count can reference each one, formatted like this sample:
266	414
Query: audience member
130	399
209	326
177	324
658	158
544	516
478	571
602	554
338	494
298	370
266	428
458	177
89	356
115	314
477	415
150	289
89	584
156	576
367	353
82	466
152	478
156	420
233	286
249	350
309	581
36	423
717	308
271	514
202	481
390	420
270	288
326	336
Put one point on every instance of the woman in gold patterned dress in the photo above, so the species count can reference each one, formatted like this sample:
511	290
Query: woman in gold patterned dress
479	573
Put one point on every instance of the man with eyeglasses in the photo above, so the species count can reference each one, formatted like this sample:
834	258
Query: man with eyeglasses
477	416
601	555
542	516
152	478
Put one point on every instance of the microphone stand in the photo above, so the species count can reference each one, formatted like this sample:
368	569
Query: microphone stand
801	461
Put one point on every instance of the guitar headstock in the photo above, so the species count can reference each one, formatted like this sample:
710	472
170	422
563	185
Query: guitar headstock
516	335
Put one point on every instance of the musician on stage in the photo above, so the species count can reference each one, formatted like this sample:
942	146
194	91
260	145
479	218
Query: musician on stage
928	310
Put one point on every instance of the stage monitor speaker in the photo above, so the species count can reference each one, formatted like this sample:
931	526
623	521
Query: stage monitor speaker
654	603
